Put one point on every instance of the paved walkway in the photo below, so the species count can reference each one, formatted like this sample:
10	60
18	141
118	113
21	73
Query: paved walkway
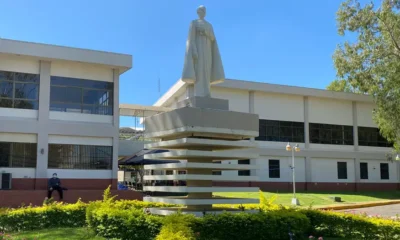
384	211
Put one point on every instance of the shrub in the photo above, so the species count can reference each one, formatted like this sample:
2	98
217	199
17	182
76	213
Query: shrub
336	224
177	227
125	223
244	226
48	216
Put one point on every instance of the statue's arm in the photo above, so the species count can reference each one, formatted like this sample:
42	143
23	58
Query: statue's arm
212	36
192	37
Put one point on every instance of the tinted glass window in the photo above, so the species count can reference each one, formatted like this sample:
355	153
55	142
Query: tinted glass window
368	136
342	170
86	96
364	170
19	90
63	156
280	131
331	134
384	171
274	168
21	155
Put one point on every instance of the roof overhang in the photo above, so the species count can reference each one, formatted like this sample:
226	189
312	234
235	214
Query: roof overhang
135	110
123	62
179	87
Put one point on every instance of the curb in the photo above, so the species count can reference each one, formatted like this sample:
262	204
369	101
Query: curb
359	205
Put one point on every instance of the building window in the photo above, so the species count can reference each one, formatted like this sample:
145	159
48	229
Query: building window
368	136
169	172
274	168
19	90
216	172
63	156
280	131
20	155
342	170
364	170
331	134
81	96
244	172
384	171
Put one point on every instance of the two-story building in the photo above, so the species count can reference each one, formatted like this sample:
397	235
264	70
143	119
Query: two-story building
59	114
340	145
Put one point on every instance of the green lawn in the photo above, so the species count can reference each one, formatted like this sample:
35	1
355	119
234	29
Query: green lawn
57	234
318	199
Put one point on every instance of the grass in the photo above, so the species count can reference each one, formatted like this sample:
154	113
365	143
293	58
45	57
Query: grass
321	199
57	234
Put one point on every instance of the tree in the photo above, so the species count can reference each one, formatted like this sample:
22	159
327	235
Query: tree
341	86
371	63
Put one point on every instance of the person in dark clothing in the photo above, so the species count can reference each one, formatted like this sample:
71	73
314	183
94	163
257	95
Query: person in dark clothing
55	184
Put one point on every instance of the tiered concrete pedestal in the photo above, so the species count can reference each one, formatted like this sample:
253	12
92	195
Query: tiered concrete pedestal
200	135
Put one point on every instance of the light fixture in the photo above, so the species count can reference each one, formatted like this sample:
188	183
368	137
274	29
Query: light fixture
297	148
397	157
288	147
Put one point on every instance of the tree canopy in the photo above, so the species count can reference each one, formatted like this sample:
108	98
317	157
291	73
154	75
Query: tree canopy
370	63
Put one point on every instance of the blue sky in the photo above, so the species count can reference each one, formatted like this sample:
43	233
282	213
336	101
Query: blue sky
284	42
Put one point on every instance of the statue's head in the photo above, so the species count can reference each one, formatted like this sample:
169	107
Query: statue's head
201	11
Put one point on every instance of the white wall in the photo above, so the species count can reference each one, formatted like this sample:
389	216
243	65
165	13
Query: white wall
346	148
283	107
96	141
15	63
374	171
328	111
80	174
18	137
364	115
80	117
81	70
19	113
276	145
325	170
20	172
238	99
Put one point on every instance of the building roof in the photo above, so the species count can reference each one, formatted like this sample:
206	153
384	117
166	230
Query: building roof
179	88
123	62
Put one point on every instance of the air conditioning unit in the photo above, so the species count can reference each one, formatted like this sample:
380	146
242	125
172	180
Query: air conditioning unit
5	183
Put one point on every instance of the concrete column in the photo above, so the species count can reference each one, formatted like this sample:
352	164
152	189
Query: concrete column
307	162
43	120
308	167
190	91
116	126
355	126
357	169
306	124
251	110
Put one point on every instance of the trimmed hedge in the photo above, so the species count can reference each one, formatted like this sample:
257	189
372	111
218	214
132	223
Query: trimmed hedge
125	219
54	215
351	226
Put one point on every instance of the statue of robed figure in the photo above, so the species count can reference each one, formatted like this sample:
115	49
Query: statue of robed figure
203	64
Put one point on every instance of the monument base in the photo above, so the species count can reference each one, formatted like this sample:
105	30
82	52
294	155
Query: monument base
204	102
197	213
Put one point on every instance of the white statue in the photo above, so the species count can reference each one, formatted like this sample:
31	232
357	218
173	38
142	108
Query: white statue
203	64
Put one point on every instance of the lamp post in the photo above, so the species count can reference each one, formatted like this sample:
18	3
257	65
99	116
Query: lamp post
296	148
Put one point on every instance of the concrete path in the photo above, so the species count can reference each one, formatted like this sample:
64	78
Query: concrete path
384	211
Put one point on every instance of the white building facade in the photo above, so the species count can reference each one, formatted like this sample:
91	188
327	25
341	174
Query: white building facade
59	114
341	148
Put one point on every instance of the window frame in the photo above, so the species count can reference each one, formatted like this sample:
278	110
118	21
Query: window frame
383	169
331	134
281	131
364	174
14	80
371	137
244	172
275	172
105	108
76	156
27	158
343	175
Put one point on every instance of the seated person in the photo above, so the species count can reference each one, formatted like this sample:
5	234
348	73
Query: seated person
55	184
